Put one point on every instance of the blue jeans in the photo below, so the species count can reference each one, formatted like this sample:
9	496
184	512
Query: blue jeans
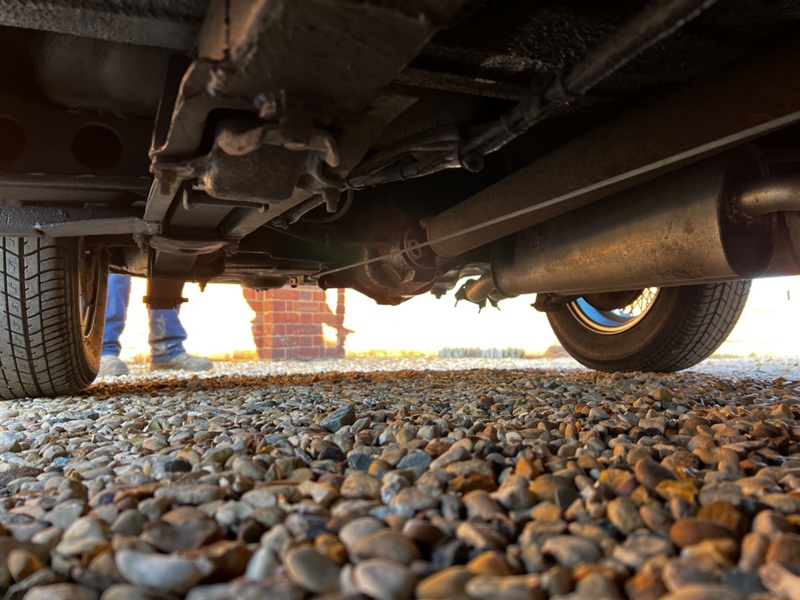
166	332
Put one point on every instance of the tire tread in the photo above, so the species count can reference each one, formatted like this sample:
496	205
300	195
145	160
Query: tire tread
701	321
710	317
39	355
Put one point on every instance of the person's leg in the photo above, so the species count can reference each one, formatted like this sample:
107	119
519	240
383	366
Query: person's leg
166	335
166	344
119	291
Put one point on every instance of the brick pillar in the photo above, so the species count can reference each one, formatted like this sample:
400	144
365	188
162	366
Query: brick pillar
288	323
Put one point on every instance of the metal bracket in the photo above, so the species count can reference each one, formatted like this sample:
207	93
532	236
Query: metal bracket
551	302
69	221
164	294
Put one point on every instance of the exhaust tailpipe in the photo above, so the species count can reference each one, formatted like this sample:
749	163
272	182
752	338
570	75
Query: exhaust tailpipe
683	228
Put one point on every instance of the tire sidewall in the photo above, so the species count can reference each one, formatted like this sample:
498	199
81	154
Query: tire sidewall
652	332
83	259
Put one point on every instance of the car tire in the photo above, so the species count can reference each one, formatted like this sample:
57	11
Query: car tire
52	313
679	327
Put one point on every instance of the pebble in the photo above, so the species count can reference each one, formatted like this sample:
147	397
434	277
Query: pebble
780	580
414	499
639	547
357	529
494	587
679	572
86	535
22	564
384	579
159	571
650	473
489	563
447	584
341	417
388	545
510	483
191	494
571	551
61	591
123	591
692	530
312	571
181	529
624	515
481	505
704	592
360	485
785	549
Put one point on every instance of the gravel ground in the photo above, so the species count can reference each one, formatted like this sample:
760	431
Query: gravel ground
439	479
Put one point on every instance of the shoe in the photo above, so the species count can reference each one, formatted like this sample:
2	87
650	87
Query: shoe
112	366
183	362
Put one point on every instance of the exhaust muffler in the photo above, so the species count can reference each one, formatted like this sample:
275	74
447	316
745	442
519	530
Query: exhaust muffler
683	228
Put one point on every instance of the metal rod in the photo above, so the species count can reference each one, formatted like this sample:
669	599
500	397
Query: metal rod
75	182
778	193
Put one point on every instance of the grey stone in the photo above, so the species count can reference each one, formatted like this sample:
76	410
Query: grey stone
312	571
341	417
571	551
384	580
159	571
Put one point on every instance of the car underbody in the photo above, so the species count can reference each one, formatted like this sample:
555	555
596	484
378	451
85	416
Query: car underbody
569	149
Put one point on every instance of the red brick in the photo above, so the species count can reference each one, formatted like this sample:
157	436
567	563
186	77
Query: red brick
257	306
262	330
281	317
286	294
290	320
303	329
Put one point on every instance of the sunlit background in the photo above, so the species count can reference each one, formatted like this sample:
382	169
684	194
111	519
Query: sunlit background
218	324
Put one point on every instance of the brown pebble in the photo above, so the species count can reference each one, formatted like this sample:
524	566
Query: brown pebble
489	563
447	584
683	490
22	564
753	551
719	551
645	586
692	530
780	580
650	473
785	549
728	515
699	591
